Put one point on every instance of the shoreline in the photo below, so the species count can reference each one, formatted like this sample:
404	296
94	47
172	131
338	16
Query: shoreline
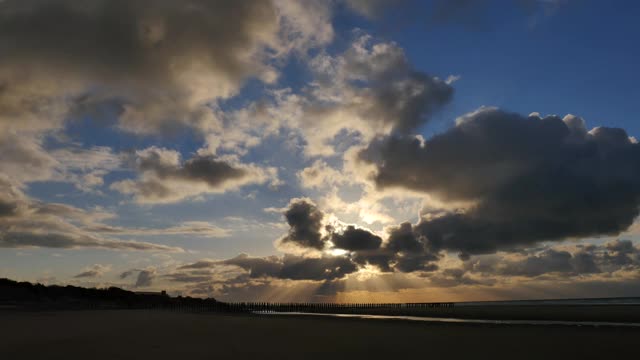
461	321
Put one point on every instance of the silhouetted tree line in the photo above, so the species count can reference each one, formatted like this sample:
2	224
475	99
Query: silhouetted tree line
26	294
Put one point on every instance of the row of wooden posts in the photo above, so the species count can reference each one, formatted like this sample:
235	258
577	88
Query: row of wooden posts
265	307
330	307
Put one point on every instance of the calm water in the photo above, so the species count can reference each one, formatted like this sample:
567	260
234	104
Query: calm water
456	320
592	301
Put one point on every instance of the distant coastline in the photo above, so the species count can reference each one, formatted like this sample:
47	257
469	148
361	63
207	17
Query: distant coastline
23	295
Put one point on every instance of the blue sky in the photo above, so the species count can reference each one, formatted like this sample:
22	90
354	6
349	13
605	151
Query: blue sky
194	143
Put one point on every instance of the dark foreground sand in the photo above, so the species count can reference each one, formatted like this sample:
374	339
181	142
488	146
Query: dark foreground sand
139	334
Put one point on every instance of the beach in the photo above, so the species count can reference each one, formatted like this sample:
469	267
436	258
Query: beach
140	334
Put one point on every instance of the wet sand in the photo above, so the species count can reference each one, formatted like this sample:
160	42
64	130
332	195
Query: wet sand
608	313
139	334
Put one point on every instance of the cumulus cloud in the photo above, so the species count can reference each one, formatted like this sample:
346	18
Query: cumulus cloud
354	239
305	222
164	177
404	250
160	66
320	175
397	94
370	88
523	179
338	250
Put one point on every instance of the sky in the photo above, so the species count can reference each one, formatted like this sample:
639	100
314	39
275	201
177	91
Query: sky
338	150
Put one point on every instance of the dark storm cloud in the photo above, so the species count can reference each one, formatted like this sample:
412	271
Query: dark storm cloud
141	54
118	34
408	101
410	250
290	267
529	179
296	267
547	262
621	253
269	266
406	249
325	268
305	221
354	239
200	168
583	260
8	207
164	177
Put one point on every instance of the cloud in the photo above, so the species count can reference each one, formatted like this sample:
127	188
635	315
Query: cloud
126	274
96	270
289	267
370	88
193	228
24	159
247	277
165	178
145	278
564	262
320	175
354	239
523	179
377	81
28	223
67	237
84	167
404	250
156	68
305	222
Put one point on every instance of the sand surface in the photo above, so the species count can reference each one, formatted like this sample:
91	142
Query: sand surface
139	334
